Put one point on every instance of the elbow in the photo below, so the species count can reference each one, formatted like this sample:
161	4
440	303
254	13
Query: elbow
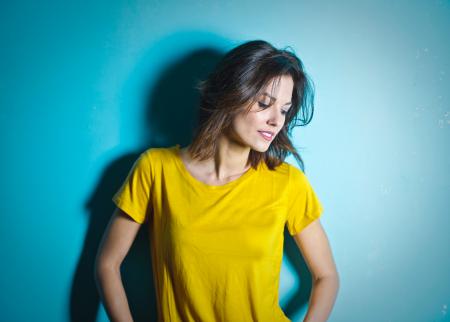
103	266
336	280
331	279
331	276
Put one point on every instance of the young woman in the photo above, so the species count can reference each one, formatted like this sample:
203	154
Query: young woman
216	209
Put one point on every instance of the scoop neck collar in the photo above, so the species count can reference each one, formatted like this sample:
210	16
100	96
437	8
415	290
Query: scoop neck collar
182	167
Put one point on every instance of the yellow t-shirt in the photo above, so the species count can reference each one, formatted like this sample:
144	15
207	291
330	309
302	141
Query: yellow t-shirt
216	250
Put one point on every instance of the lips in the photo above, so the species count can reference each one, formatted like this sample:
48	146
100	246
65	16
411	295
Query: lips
267	135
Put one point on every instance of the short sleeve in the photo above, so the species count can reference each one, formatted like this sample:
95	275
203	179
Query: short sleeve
303	205
134	196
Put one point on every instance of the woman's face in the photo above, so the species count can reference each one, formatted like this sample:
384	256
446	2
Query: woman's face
252	129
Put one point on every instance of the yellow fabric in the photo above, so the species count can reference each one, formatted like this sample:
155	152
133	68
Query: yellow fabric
216	250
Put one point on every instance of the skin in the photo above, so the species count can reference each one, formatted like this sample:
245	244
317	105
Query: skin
117	239
229	163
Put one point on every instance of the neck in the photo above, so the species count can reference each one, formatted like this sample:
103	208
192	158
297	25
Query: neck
230	159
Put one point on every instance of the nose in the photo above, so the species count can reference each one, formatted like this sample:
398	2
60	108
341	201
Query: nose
275	118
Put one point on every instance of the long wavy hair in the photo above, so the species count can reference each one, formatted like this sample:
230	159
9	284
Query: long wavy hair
237	81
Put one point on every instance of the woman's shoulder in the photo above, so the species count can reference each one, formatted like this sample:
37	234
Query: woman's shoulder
282	168
280	172
287	172
155	152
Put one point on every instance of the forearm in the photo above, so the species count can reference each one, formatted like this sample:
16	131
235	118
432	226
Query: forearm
112	293
323	297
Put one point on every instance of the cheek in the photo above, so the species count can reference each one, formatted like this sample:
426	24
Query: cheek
254	120
244	123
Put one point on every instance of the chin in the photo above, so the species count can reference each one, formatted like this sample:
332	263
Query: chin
260	147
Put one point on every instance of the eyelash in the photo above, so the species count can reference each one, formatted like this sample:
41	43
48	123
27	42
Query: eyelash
262	105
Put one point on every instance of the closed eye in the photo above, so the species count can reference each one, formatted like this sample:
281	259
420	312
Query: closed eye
262	105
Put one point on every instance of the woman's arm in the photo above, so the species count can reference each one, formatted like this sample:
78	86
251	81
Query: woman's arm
315	248
116	242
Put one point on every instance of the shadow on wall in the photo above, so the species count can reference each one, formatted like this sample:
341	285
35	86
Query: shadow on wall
301	296
171	114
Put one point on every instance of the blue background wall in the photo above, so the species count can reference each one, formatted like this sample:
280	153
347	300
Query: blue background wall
85	87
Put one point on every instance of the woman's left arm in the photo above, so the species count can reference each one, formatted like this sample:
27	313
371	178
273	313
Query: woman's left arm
315	248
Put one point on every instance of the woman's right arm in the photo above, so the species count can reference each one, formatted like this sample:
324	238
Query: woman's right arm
114	246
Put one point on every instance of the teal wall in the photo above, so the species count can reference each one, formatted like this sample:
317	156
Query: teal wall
85	87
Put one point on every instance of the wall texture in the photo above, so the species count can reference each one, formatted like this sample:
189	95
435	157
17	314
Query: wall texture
84	87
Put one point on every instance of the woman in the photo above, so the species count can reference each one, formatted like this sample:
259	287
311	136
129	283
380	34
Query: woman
216	209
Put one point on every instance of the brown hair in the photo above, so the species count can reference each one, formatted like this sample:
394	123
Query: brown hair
238	80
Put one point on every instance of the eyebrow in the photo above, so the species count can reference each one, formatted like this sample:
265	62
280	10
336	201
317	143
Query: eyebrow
274	98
